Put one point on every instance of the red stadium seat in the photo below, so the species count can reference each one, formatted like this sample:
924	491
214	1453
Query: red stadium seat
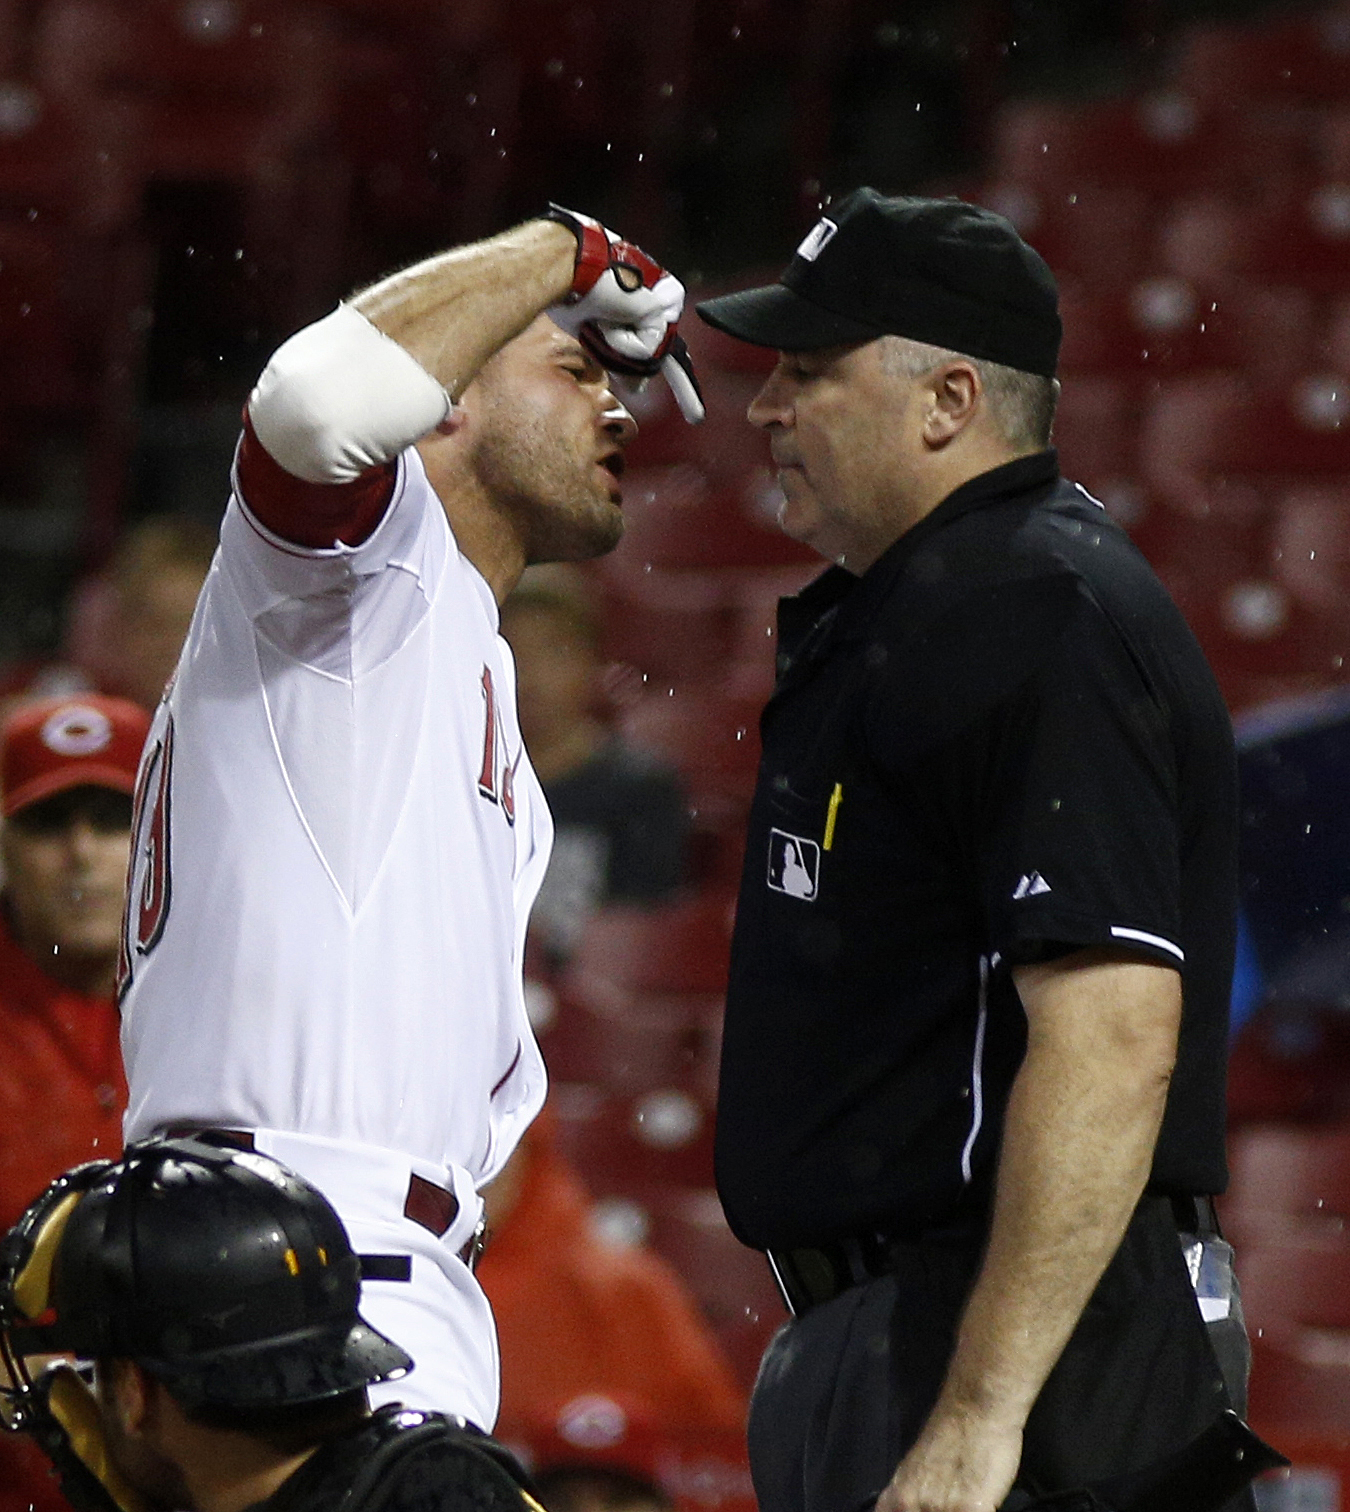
1206	237
1284	1178
713	739
679	517
1296	1298
678	947
1287	1068
673	627
1096	233
1096	425
47	362
1312	547
213	91
1168	325
1224	446
1307	242
1306	58
1302	1384
630	1146
1306	1284
1300	242
1164	144
635	1043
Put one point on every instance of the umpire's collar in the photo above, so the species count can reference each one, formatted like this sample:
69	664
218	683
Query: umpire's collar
838	605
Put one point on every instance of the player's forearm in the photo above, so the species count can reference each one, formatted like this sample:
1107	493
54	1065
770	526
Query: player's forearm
453	311
1078	1142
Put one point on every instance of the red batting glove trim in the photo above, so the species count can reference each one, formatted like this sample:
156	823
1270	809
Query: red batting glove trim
319	515
593	258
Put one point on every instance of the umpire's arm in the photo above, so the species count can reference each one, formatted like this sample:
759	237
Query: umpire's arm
1078	1139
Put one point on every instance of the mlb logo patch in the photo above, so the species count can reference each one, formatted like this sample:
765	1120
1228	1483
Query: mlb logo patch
794	865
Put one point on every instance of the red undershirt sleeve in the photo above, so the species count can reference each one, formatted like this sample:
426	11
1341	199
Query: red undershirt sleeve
318	515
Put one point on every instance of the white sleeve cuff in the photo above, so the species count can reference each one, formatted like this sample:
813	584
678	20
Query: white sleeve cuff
341	397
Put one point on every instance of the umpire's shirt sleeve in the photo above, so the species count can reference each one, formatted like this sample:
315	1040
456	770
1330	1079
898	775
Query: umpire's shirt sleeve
1078	826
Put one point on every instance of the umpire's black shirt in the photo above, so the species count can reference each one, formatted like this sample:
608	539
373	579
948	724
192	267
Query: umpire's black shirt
1025	753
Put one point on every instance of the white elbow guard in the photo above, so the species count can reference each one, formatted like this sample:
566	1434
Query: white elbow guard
341	397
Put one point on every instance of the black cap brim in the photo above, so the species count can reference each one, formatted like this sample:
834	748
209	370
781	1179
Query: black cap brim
776	316
306	1367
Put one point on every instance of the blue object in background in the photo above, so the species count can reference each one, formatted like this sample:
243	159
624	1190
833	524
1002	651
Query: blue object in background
1249	983
1294	856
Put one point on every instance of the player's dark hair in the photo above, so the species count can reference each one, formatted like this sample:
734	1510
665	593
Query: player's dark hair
286	1429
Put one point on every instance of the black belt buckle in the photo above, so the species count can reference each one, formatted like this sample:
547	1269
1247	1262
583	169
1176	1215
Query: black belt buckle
809	1277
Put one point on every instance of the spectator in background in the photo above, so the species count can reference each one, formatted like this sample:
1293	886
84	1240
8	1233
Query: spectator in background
126	624
130	626
67	771
579	1316
619	815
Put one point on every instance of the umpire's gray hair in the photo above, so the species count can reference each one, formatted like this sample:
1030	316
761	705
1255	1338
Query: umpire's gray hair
1022	405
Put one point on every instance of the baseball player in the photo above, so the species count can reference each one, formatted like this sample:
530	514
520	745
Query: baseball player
213	1296
338	833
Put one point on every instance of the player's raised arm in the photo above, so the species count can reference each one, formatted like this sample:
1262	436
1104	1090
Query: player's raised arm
343	397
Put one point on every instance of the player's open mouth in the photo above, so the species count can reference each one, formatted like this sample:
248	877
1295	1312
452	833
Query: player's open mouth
613	464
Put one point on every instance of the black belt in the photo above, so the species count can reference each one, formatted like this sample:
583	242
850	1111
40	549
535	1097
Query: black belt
809	1277
434	1207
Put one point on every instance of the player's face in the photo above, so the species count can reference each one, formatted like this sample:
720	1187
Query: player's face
547	438
840	429
65	865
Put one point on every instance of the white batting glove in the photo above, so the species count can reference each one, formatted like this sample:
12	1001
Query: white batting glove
623	307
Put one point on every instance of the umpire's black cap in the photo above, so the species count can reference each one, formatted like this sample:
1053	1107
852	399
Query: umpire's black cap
936	270
220	1272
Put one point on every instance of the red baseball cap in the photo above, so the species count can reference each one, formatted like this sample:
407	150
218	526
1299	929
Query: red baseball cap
77	740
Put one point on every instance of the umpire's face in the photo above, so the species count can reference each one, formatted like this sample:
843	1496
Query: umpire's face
852	434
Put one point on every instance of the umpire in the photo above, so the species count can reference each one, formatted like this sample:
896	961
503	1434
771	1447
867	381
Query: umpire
213	1295
972	1098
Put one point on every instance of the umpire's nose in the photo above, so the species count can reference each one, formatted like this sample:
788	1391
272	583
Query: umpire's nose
773	404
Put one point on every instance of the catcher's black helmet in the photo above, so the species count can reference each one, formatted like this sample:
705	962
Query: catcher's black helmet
219	1271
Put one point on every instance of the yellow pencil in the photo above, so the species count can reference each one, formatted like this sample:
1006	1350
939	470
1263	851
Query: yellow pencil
836	798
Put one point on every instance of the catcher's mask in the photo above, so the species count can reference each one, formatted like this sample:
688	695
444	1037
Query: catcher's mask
219	1272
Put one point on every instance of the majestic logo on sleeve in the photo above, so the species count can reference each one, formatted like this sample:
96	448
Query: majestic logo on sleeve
497	776
148	877
794	865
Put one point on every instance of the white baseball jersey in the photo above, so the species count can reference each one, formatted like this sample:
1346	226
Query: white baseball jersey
339	839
